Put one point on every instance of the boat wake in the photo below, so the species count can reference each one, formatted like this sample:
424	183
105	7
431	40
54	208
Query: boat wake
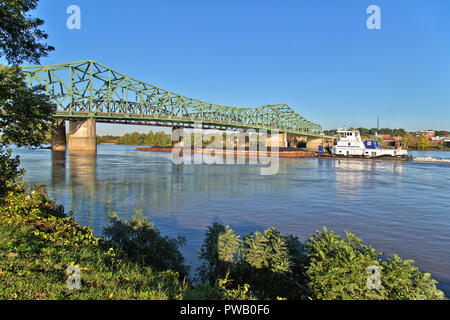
429	159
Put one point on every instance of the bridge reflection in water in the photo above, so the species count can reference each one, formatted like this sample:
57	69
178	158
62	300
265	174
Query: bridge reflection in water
355	176
157	186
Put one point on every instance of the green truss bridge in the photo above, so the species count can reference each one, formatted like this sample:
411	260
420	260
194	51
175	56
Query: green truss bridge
87	92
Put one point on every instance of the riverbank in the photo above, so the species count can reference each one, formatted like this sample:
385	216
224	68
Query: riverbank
39	244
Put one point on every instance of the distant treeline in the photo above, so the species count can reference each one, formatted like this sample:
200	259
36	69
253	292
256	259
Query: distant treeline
162	139
393	132
138	139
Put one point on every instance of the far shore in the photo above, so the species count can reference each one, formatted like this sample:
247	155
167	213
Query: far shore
409	149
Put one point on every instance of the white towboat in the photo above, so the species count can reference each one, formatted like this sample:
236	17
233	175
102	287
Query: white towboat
351	145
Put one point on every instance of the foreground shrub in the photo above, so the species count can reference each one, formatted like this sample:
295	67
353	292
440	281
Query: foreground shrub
144	244
224	289
218	253
10	174
344	268
47	220
268	264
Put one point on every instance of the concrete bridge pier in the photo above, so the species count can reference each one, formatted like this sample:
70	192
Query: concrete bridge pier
59	137
276	140
177	137
292	142
313	143
297	142
82	136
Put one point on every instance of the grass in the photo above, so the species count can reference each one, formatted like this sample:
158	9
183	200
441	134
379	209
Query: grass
34	261
33	269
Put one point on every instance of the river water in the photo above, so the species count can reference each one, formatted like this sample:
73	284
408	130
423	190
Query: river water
397	207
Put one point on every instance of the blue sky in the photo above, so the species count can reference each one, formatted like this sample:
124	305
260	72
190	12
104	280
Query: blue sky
317	56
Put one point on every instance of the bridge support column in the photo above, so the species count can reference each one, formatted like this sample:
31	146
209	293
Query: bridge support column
296	142
177	137
274	140
313	143
59	137
82	136
292	142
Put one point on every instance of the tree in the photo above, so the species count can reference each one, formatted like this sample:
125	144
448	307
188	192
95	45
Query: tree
408	140
379	139
423	143
20	34
364	131
10	173
150	139
442	133
25	113
135	138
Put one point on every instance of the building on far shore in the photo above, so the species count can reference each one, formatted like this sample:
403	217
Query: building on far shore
391	140
428	133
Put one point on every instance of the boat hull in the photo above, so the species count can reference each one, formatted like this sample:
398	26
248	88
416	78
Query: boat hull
362	157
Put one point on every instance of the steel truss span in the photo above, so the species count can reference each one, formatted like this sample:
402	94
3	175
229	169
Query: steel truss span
87	89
